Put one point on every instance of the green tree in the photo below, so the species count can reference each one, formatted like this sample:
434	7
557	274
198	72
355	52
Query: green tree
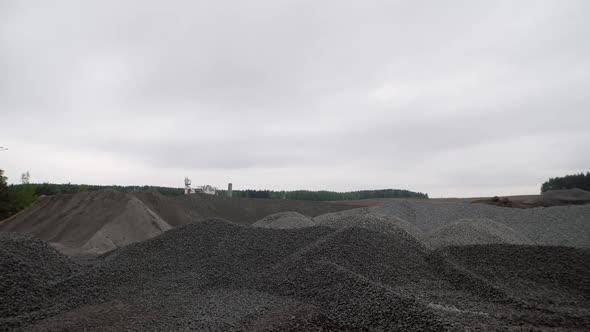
25	178
6	200
581	181
25	195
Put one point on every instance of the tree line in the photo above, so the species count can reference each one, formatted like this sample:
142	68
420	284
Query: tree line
581	181
16	197
324	195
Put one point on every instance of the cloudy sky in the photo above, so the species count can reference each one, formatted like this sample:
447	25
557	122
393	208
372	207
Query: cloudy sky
452	98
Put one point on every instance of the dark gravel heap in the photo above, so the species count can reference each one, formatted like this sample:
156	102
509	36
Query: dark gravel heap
474	231
215	275
530	272
557	225
285	220
28	267
552	282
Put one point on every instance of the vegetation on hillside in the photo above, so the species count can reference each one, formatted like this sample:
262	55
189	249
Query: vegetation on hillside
6	199
581	181
15	198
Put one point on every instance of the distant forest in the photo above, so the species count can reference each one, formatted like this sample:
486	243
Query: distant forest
323	195
581	181
48	189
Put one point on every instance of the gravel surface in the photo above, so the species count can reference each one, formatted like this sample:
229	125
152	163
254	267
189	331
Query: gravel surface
179	210
214	275
93	223
474	231
558	225
28	266
404	266
553	283
376	222
88	223
285	220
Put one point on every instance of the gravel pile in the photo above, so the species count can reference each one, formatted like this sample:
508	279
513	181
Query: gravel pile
375	222
555	281
179	210
198	275
352	278
28	267
285	220
214	275
88	223
92	223
558	225
474	231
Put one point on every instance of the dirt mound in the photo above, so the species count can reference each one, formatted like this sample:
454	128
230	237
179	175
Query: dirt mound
508	202
474	231
285	220
90	223
564	197
550	198
28	267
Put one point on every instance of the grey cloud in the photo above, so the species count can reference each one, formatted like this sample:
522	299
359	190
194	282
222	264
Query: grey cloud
388	89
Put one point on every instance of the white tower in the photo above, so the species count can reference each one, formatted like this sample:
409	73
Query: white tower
187	186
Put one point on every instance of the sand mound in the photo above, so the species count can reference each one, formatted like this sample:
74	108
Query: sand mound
92	222
285	220
474	231
28	267
565	196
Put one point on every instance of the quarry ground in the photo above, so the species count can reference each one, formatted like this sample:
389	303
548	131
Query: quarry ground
147	262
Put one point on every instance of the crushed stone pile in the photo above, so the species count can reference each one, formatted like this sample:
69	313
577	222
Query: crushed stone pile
533	274
88	223
285	220
92	223
28	266
215	275
474	231
376	222
406	265
557	225
179	210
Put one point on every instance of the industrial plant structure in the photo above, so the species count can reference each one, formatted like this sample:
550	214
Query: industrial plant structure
206	189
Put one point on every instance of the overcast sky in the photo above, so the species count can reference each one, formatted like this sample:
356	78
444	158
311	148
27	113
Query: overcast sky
452	98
